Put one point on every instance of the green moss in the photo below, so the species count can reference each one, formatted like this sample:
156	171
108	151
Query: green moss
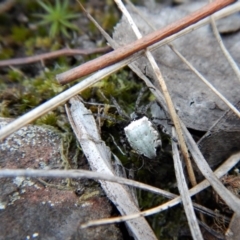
33	92
120	85
6	53
15	75
48	119
109	20
20	33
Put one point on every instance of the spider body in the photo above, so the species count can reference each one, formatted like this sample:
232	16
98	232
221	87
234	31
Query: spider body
143	137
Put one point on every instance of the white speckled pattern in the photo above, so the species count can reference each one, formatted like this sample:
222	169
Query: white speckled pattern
143	137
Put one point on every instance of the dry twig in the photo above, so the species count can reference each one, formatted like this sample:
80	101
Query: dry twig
184	193
224	50
51	55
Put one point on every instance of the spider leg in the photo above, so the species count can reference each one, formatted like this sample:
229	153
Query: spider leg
119	148
121	112
145	109
164	130
125	145
139	98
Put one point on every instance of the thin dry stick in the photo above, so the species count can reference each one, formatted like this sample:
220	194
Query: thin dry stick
83	174
55	54
140	44
174	118
184	193
224	50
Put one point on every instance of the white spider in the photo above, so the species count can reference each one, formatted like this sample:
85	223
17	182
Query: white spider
143	137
